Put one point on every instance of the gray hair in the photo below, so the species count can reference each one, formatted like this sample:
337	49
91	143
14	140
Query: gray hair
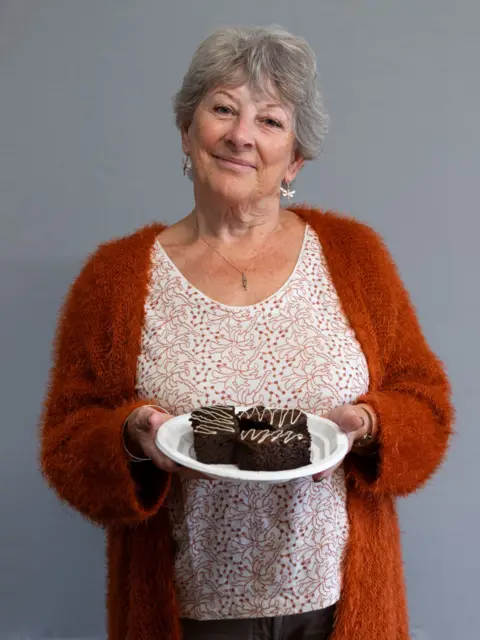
261	56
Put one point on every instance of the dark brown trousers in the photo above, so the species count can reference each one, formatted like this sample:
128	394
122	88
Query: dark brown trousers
314	625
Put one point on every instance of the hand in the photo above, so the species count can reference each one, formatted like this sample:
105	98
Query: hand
140	431
353	420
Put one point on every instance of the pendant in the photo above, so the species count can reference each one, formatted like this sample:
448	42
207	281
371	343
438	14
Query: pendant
244	281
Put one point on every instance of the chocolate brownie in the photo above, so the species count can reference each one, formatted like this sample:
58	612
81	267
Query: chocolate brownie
215	432
267	450
260	417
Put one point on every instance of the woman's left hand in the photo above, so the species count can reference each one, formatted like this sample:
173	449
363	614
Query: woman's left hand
354	421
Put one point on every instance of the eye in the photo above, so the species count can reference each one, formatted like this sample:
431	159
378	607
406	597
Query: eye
222	109
271	122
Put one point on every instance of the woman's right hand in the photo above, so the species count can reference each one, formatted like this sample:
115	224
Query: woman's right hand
139	434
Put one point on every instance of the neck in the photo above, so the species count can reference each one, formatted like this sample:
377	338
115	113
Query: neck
227	222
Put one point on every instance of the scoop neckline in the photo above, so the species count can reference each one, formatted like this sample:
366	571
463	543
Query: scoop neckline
210	300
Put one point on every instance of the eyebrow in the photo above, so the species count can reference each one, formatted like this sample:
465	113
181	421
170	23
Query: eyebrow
267	106
229	95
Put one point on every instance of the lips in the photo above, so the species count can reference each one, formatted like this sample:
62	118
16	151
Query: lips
238	161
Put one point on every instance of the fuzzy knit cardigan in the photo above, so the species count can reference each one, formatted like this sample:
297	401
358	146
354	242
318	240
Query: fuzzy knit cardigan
92	391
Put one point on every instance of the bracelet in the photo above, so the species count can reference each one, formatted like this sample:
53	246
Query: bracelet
132	457
364	441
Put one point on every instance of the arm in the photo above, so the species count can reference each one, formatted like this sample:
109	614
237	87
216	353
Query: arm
411	402
91	394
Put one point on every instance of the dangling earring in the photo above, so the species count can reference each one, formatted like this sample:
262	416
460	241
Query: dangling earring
286	191
187	167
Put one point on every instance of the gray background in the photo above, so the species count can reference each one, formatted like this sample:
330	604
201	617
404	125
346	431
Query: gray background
89	151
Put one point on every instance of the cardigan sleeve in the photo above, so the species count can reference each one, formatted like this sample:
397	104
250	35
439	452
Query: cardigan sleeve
412	400
90	395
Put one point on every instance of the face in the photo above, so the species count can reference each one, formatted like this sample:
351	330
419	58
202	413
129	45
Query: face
241	145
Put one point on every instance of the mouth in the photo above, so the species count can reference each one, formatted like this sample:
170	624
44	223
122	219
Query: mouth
235	161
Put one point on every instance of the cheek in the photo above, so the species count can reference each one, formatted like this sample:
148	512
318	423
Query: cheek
206	134
277	154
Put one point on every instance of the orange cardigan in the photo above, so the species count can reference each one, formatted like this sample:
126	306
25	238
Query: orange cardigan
92	391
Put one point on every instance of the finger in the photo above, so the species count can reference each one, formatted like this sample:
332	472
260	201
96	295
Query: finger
151	423
347	417
325	474
318	477
165	463
351	420
191	474
156	419
146	429
160	460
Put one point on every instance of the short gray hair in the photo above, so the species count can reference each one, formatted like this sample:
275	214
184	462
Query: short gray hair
259	55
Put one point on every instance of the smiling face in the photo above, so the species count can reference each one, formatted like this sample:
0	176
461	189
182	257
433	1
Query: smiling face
242	145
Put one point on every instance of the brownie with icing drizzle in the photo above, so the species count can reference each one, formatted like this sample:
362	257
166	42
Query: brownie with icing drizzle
215	431
273	450
260	417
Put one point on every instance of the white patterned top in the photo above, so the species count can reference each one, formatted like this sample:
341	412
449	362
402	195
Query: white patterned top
244	549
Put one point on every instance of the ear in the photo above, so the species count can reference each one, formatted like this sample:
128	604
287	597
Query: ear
294	167
184	132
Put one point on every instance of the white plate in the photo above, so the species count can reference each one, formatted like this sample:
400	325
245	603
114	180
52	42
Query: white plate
329	446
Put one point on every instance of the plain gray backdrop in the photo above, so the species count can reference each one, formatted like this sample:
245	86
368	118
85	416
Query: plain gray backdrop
88	150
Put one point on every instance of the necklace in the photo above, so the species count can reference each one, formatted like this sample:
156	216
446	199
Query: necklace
242	272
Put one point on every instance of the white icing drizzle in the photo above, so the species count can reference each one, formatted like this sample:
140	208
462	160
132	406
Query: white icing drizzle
260	435
262	414
213	420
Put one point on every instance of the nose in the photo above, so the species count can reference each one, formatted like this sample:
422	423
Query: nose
240	134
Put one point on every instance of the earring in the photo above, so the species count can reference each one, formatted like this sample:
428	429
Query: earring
286	191
187	167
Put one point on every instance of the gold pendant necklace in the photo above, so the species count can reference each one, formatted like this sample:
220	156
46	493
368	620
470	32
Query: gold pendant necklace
242	272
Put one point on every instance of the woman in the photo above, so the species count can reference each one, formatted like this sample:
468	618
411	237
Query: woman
245	302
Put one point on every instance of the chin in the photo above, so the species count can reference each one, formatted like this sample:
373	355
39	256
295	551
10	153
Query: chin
234	193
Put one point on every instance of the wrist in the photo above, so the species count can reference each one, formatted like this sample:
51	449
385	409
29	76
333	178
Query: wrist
131	446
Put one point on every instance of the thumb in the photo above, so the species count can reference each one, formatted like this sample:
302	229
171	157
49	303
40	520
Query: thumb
156	419
348	418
